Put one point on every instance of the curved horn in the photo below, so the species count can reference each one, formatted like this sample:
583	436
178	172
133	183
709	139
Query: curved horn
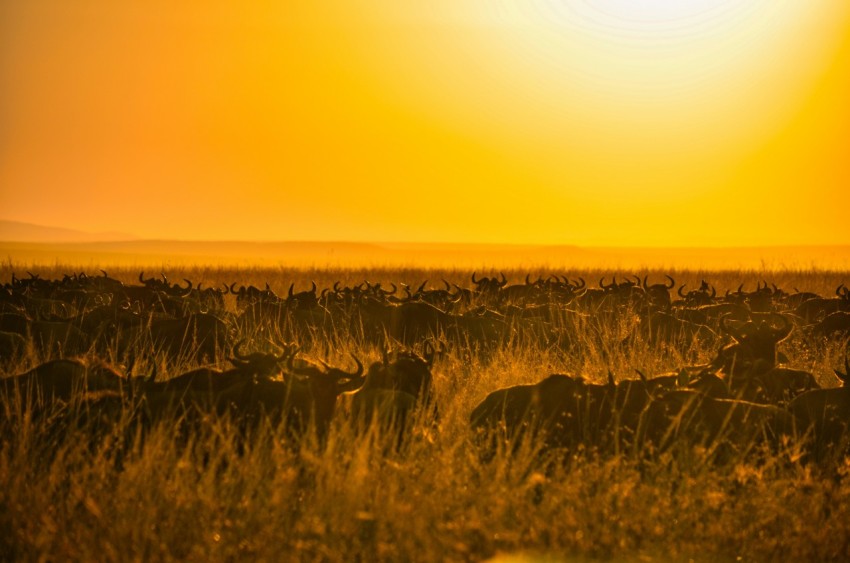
313	286
422	287
474	280
230	288
782	332
844	377
291	287
583	284
713	292
504	280
289	350
681	294
184	292
142	277
672	282
838	290
236	351
644	281
164	279
447	284
359	371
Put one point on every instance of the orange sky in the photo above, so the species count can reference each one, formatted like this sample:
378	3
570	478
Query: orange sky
606	122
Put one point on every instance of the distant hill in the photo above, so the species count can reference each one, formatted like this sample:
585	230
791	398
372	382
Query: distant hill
16	231
26	243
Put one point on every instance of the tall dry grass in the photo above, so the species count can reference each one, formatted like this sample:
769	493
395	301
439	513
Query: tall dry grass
217	497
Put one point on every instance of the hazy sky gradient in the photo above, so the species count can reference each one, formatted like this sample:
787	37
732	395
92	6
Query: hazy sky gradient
608	122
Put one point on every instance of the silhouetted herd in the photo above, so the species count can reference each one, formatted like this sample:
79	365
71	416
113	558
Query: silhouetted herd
745	400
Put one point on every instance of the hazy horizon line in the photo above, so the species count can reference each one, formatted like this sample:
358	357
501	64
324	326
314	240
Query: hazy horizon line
50	234
431	243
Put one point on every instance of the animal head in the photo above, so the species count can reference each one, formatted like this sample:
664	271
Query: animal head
260	363
755	344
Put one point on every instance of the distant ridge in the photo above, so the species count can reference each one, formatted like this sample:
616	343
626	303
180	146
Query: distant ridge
17	231
27	243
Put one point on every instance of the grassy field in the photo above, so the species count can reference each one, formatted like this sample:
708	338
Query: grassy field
217	497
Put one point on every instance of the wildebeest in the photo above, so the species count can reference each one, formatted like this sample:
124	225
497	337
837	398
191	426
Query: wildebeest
392	390
658	294
817	308
833	325
487	286
750	363
753	350
549	410
305	399
301	395
559	412
204	386
703	296
823	415
693	418
563	411
780	385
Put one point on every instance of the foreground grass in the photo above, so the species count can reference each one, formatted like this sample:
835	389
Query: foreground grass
433	501
219	497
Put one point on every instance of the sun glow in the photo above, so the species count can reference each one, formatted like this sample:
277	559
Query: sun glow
623	99
561	121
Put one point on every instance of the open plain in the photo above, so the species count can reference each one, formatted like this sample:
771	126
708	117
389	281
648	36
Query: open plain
111	473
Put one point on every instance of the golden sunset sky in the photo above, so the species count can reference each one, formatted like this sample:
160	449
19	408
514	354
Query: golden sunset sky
594	122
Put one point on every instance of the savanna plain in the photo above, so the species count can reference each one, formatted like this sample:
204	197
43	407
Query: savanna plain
213	490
